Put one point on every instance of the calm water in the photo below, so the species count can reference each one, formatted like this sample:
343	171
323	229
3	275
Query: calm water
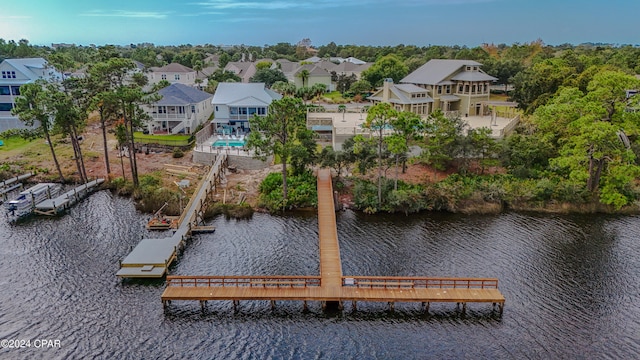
572	285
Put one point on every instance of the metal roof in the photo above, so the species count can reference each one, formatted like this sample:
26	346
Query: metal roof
229	93
473	76
29	66
437	70
449	98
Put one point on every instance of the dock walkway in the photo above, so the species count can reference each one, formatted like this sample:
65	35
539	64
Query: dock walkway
332	286
56	205
9	185
151	257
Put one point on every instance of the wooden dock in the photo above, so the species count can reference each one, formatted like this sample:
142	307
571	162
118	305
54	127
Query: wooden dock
7	186
56	205
151	258
332	287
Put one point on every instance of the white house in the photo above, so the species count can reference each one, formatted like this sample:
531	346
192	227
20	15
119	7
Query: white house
235	103
181	109
13	74
174	73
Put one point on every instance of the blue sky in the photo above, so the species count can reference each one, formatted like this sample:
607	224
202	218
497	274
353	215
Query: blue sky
362	22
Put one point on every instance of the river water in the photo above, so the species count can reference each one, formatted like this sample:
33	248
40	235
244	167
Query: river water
572	288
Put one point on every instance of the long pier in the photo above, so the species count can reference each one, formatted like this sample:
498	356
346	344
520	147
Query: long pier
332	287
56	205
151	257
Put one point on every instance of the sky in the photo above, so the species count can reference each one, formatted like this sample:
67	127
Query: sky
362	22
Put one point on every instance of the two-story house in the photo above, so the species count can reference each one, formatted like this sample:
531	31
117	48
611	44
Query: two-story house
404	97
174	73
180	110
235	103
13	74
244	69
454	85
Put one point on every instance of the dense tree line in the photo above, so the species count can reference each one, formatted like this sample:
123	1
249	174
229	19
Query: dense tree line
578	141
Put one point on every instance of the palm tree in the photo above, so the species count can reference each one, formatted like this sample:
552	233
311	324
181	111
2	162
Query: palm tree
304	76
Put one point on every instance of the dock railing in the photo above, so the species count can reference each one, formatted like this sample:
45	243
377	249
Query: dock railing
247	281
395	282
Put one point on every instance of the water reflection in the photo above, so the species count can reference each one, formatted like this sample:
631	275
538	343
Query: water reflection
571	284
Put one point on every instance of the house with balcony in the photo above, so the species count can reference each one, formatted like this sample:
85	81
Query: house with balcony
404	97
180	110
13	74
458	86
235	103
174	73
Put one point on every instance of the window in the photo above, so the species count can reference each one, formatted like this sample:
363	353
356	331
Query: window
468	68
475	68
193	109
262	111
8	74
15	90
6	106
485	88
460	88
4	90
439	89
162	109
448	89
164	76
177	76
466	88
217	108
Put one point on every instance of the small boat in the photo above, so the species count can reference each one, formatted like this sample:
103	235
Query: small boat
27	200
162	222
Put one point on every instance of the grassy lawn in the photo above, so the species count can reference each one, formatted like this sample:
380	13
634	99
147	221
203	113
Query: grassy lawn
12	143
177	140
335	97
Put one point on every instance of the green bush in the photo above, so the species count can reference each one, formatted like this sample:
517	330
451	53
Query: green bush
301	188
177	153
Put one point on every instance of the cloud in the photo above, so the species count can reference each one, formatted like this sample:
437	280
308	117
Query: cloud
320	4
275	5
127	14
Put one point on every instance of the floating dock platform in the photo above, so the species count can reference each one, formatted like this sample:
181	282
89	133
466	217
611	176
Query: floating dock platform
56	205
9	185
151	258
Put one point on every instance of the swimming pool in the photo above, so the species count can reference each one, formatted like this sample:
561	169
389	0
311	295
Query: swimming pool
234	143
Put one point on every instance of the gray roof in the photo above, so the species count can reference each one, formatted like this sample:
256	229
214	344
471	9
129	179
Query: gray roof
313	70
173	68
180	94
410	88
243	93
28	65
399	90
449	98
436	70
473	76
240	66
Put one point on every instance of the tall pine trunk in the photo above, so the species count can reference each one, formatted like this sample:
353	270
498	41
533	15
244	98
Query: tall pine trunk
103	125
53	154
